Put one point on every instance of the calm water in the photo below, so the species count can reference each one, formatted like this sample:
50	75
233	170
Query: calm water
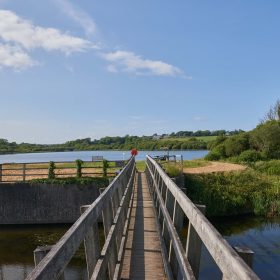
87	156
260	235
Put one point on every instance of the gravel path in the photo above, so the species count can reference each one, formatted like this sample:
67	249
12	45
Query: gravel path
215	167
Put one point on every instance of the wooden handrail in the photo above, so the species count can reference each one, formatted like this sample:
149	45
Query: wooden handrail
112	200
229	262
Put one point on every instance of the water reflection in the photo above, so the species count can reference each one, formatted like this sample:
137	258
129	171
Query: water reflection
17	244
259	234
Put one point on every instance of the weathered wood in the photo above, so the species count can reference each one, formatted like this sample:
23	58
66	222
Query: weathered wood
92	245
246	254
226	258
176	243
61	253
40	253
142	258
193	246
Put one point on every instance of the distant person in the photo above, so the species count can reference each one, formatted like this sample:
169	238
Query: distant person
134	152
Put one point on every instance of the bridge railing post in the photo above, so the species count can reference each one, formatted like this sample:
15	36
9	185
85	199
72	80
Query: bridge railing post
193	246
92	245
178	221
0	172
40	253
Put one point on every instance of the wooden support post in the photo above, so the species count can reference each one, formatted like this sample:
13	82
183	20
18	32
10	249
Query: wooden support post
246	254
193	247
178	221
40	253
23	172
0	172
92	245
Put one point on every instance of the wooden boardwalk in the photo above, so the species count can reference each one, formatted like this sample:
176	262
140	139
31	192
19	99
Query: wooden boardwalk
143	256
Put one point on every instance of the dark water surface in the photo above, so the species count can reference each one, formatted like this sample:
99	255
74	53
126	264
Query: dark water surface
17	244
260	235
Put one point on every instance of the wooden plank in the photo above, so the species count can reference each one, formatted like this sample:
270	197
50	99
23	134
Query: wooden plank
143	257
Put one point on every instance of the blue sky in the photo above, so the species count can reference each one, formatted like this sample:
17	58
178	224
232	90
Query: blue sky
76	69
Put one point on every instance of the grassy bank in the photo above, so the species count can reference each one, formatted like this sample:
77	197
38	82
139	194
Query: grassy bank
234	193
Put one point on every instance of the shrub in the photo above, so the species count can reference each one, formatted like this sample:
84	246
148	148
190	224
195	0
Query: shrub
271	167
234	192
249	156
79	164
51	174
172	170
213	156
105	167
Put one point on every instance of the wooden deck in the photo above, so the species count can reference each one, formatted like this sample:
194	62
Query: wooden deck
143	257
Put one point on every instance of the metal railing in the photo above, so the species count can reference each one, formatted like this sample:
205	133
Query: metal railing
114	204
172	206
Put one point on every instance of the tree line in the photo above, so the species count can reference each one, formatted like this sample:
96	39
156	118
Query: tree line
192	142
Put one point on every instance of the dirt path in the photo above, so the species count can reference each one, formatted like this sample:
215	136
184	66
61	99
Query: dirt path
215	167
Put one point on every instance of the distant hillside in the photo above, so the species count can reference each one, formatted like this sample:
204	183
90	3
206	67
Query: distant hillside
185	140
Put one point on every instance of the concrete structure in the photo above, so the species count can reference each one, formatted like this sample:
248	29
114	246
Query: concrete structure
24	203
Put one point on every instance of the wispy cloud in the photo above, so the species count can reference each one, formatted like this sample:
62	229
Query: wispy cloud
11	56
78	15
18	37
124	61
199	118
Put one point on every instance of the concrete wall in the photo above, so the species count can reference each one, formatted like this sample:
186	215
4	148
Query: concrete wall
23	203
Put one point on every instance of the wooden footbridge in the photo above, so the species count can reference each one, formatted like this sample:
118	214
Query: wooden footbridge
143	216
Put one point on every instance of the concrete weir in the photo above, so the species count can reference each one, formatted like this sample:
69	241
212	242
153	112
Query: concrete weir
23	203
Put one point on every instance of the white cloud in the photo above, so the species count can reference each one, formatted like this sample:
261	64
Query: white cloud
199	118
124	61
14	57
14	29
78	15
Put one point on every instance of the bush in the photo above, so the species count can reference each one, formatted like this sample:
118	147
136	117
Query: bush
51	174
249	156
172	170
271	167
213	156
100	182
79	164
105	167
234	193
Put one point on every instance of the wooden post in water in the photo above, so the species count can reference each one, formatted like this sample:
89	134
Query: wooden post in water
23	172
92	245
246	254
193	247
40	253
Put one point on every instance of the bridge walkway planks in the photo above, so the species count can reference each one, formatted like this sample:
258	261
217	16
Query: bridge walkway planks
143	256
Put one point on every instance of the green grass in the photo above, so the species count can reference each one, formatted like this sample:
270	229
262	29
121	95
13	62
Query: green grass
140	165
234	193
195	163
183	139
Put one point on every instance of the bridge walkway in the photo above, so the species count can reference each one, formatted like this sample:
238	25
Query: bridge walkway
143	256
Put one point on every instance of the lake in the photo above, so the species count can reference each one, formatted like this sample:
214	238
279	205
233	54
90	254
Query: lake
260	235
87	156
